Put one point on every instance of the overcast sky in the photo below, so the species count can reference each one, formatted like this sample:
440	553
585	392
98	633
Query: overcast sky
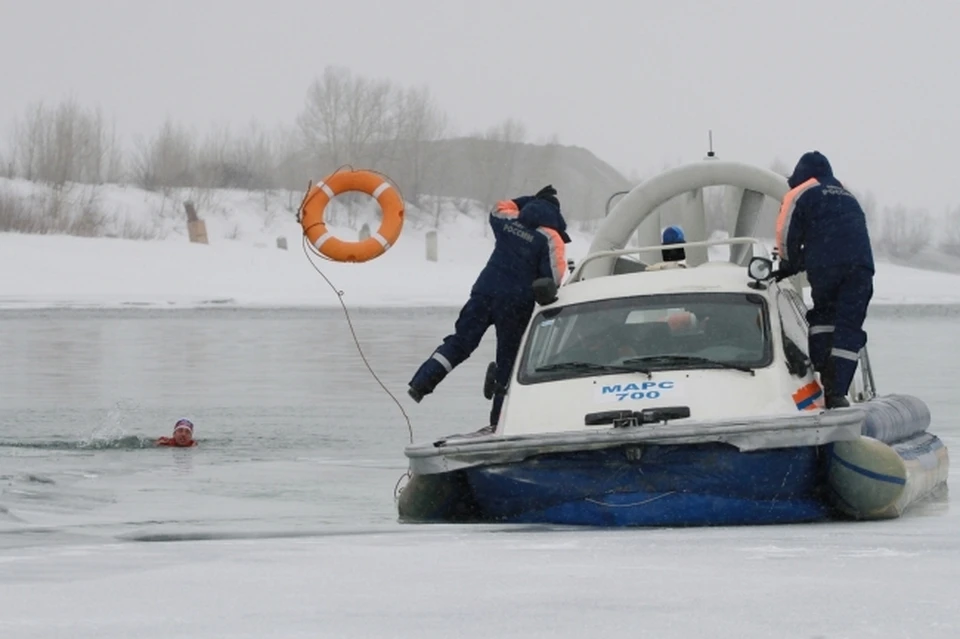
870	83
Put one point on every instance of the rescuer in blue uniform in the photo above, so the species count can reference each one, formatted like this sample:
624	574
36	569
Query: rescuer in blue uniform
530	235
821	229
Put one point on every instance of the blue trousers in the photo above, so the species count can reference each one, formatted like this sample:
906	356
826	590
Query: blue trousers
509	315
840	300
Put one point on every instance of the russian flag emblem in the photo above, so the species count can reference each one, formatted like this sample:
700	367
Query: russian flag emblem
806	397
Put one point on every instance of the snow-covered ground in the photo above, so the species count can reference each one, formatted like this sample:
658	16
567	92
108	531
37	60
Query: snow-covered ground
242	265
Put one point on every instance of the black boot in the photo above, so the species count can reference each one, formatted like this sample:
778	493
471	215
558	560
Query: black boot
490	385
832	396
415	394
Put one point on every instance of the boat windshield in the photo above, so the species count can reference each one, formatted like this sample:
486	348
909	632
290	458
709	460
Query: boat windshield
647	333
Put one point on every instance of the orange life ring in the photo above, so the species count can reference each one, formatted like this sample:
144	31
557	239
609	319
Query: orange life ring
374	185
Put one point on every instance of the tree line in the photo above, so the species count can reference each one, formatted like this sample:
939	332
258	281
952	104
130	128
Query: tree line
346	119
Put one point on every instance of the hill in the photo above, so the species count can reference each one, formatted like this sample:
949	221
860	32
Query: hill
486	170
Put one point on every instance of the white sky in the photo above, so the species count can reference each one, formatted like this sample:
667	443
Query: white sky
871	83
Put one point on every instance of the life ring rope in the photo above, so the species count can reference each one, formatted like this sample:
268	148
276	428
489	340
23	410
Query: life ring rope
375	184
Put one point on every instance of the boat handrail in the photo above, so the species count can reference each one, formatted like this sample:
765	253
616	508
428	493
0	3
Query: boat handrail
728	241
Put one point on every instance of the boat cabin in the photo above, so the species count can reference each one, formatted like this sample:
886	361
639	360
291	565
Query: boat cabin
712	338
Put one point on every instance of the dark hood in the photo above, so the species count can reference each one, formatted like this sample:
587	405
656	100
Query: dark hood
536	212
812	164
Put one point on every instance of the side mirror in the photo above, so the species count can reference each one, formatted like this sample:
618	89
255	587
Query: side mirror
545	291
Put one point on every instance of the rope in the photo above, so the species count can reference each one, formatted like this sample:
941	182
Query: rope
353	332
308	248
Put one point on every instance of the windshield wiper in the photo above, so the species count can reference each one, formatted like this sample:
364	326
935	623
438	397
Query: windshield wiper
590	366
688	359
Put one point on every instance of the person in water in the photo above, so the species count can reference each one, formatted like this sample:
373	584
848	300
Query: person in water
182	435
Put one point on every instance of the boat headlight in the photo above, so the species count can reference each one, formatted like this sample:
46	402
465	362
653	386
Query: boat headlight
760	269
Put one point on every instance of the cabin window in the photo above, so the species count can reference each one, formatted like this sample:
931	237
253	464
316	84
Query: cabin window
650	332
794	326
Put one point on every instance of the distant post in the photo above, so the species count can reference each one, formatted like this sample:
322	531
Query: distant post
196	228
432	246
364	231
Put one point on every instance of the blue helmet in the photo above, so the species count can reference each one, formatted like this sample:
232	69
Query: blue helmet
673	235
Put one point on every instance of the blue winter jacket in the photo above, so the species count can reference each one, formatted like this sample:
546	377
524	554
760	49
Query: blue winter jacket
530	239
821	225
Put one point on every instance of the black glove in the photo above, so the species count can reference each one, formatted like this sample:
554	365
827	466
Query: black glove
781	274
786	270
549	194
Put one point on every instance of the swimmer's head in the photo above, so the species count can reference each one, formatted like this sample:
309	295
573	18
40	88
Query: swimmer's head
183	432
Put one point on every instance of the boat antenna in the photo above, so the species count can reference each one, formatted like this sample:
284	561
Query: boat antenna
710	153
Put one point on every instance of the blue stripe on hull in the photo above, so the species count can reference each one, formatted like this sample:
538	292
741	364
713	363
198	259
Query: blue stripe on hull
676	510
691	485
860	470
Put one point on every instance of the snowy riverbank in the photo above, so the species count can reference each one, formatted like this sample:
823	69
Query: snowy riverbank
242	266
42	271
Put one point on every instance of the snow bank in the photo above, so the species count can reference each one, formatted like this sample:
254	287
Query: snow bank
39	271
46	271
242	265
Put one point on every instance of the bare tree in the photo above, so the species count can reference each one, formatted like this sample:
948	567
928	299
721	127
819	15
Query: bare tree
226	160
257	155
213	159
165	161
66	143
420	123
7	168
905	233
294	164
871	211
348	119
951	233
495	157
356	121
